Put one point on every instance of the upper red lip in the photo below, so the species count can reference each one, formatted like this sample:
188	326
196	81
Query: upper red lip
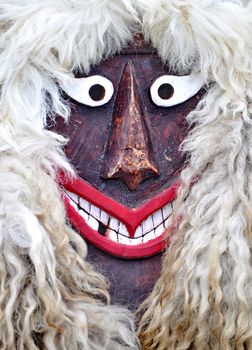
131	218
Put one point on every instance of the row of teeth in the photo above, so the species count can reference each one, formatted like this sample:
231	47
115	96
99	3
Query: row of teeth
108	226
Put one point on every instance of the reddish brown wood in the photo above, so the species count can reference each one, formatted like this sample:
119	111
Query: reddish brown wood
139	47
130	281
88	133
129	154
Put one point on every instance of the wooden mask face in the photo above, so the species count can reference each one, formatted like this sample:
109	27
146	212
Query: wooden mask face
126	153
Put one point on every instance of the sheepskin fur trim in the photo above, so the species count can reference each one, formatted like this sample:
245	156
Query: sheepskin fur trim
50	297
203	299
42	41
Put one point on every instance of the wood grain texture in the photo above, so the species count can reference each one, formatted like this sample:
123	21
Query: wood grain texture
90	149
129	151
89	130
130	281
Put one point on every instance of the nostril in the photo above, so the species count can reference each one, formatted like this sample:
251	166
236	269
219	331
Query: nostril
128	150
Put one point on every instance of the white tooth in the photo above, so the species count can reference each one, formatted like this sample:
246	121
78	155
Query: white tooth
136	241
114	224
123	230
151	235
147	225
84	215
73	204
93	223
167	222
157	218
139	232
124	240
85	205
112	235
104	218
73	196
159	230
167	211
94	211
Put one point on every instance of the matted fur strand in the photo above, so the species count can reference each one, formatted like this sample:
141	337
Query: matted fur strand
203	299
50	297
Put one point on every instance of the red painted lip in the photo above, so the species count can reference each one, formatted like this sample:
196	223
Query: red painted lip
131	218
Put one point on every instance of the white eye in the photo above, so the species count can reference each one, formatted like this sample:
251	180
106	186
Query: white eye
93	91
170	90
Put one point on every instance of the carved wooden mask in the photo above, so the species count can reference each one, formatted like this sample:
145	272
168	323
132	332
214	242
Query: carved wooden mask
126	152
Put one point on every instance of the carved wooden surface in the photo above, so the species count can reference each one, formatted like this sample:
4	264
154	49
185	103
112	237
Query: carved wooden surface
89	132
130	281
93	135
129	152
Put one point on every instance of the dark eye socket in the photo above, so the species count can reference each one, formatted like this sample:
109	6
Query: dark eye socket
97	92
165	91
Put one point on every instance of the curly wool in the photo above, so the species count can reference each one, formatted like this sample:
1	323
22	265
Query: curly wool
50	297
203	299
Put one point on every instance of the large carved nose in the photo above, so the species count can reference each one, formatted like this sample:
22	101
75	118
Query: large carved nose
129	153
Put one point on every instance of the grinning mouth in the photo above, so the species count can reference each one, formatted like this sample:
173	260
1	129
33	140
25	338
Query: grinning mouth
113	229
128	233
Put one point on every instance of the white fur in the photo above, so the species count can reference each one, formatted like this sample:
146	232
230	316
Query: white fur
50	297
203	299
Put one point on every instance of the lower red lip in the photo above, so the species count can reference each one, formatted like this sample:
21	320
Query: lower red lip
131	218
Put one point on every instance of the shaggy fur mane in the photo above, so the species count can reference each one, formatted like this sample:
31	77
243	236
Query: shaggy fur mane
50	297
203	299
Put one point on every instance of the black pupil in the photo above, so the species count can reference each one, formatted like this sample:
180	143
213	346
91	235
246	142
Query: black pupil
165	91
97	92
